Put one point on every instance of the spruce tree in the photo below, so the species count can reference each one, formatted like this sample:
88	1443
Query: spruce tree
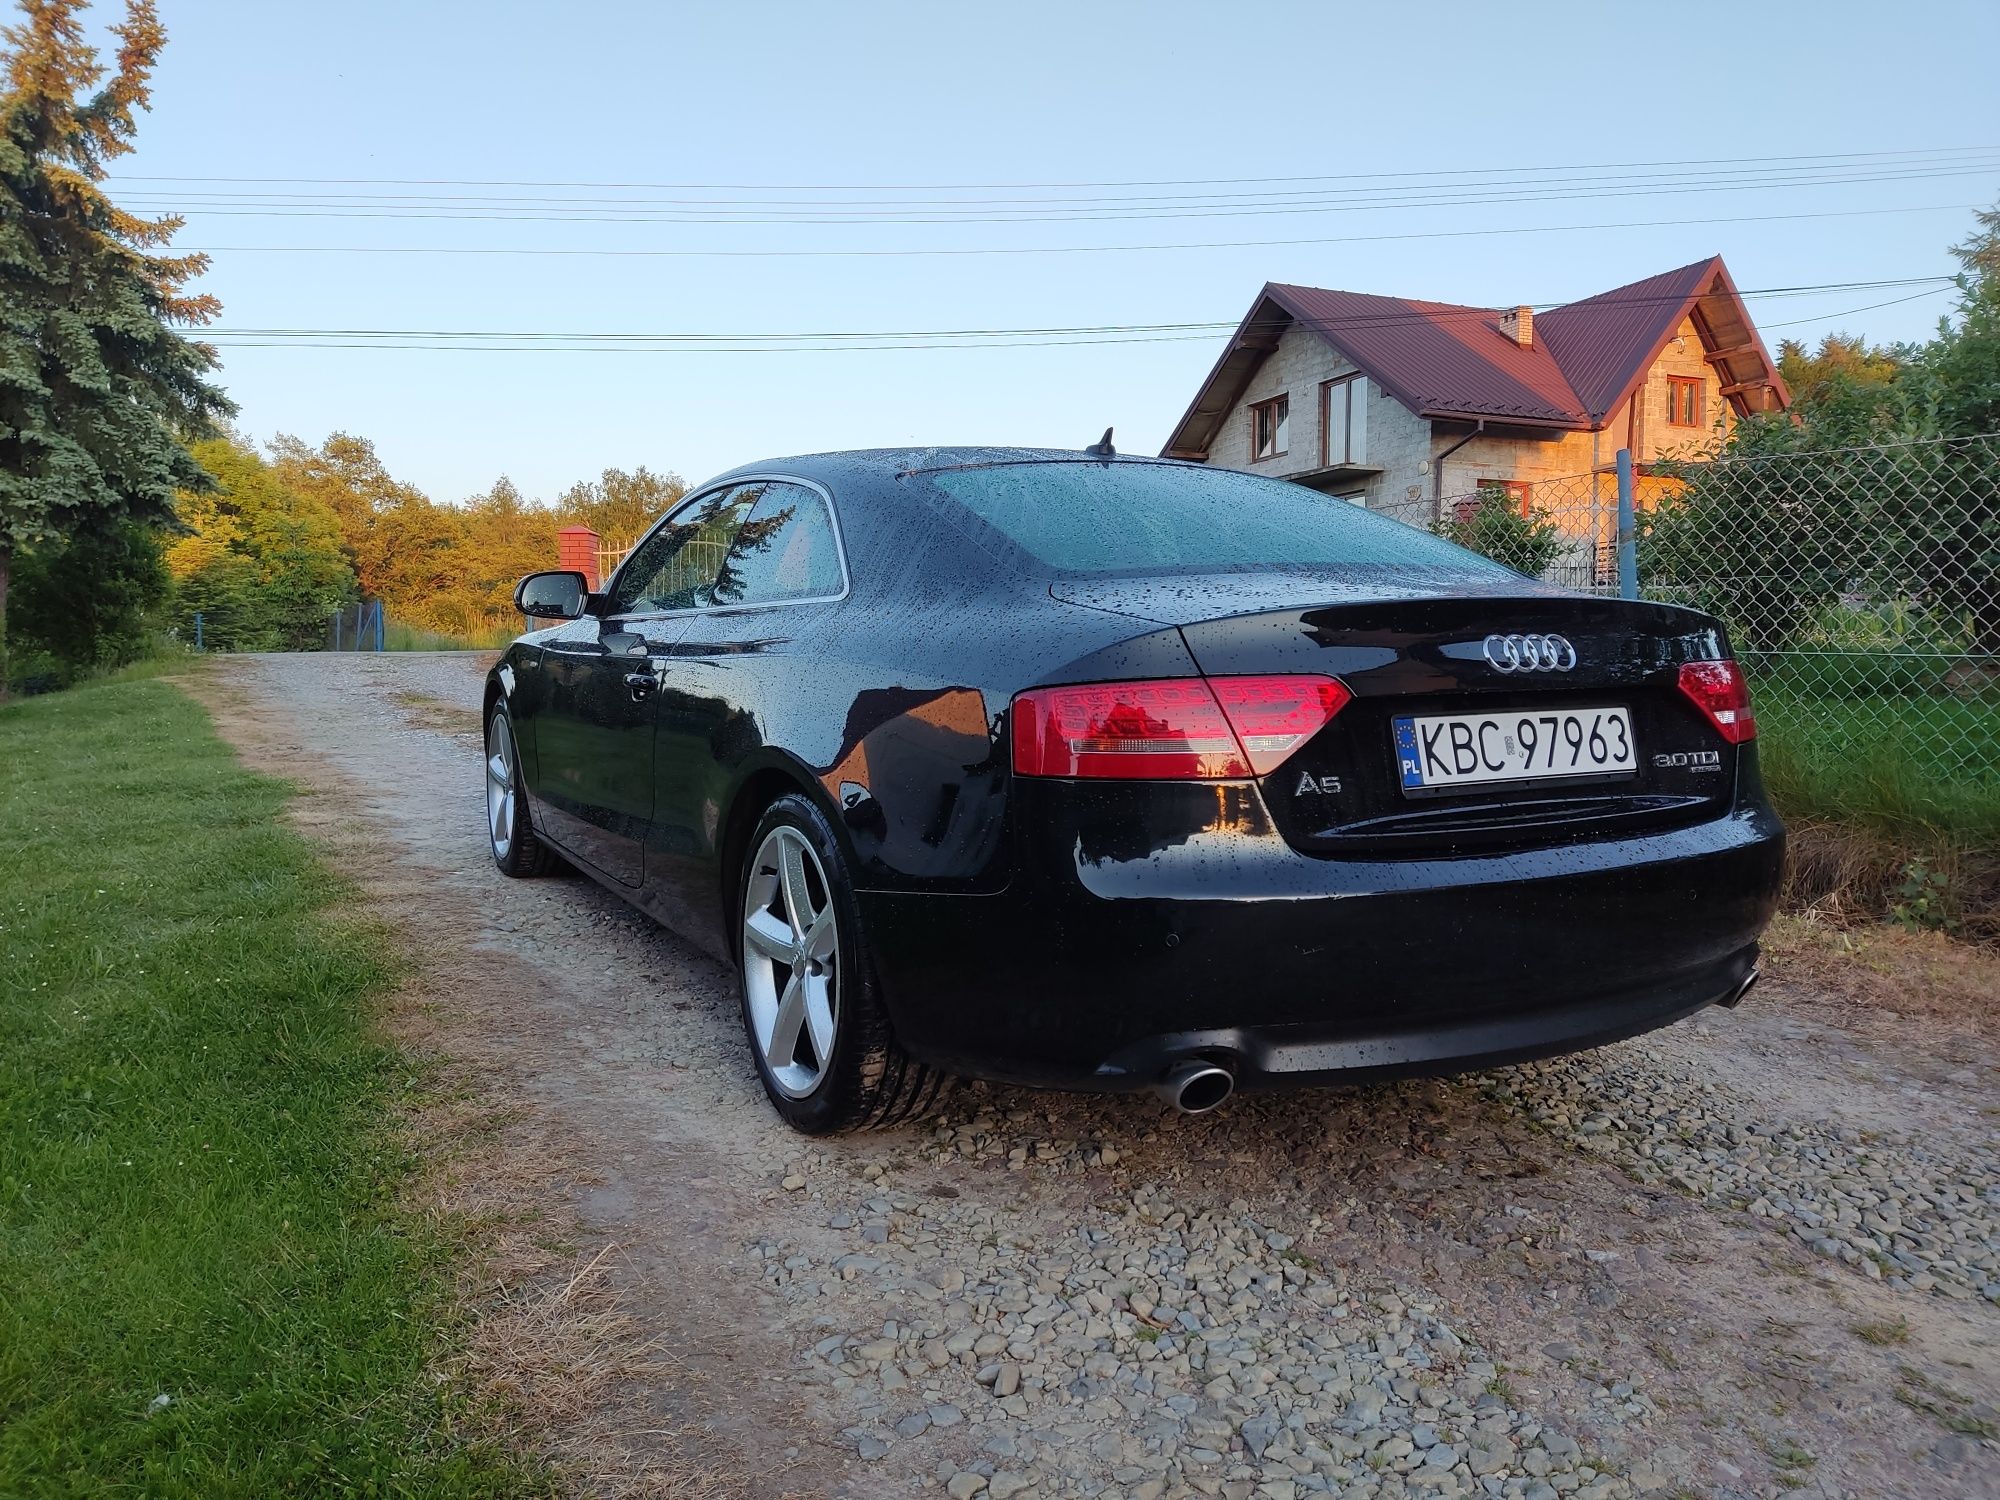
99	395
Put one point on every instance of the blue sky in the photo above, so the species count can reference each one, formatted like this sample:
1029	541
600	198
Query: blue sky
780	102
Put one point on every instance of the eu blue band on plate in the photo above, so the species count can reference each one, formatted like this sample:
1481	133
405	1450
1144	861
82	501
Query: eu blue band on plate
1407	760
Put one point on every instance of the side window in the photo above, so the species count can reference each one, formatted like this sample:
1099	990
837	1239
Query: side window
784	549
676	567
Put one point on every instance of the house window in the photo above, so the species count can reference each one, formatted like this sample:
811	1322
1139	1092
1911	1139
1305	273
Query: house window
1269	424
1684	400
1343	421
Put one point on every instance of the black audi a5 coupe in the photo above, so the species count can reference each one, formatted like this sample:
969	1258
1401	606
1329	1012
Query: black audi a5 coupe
1096	772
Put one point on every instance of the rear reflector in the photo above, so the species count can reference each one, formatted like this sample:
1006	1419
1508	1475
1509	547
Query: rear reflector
1718	689
1170	729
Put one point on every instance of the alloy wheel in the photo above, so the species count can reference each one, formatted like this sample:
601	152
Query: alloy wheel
500	786
791	961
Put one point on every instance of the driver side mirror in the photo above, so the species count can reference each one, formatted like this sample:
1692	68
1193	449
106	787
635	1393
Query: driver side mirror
552	596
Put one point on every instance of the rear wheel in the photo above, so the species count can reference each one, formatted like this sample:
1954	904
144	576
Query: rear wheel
516	850
821	1040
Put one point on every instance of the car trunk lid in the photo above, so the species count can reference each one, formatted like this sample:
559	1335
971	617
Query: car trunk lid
1187	598
1343	792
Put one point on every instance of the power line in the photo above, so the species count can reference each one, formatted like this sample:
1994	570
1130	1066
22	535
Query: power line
1870	307
1350	239
1052	186
653	216
1386	317
557	343
838	209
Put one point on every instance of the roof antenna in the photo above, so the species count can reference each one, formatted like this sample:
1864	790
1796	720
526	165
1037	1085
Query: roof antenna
1102	447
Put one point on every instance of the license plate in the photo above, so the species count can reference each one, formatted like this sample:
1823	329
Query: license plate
1438	751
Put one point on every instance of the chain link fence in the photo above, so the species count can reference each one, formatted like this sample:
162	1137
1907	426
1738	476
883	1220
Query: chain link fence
1861	586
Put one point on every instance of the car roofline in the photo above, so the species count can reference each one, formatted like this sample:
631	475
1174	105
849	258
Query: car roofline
1062	458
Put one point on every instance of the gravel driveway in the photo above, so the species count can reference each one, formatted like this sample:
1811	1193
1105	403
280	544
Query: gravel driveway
1756	1253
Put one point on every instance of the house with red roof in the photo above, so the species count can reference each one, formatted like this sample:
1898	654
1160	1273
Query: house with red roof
1404	406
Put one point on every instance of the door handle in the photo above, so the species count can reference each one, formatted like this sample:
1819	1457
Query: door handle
641	685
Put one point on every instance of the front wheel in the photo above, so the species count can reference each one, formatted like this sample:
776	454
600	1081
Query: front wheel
511	837
821	1039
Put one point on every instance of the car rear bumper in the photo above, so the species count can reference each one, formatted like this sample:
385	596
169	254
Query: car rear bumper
1112	955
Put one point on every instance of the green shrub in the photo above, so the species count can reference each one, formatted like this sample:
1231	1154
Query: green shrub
1922	900
1495	526
84	604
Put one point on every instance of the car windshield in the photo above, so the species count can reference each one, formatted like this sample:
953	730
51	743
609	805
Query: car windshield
1095	518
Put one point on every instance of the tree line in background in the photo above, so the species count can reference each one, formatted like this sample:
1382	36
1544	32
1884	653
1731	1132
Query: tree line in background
326	525
286	536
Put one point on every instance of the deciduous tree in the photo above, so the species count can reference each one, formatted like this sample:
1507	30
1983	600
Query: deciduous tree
346	475
619	506
262	563
506	537
1841	359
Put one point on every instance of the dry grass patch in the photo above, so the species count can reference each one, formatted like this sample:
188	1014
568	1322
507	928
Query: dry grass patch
1884	970
425	712
1883	1333
1856	875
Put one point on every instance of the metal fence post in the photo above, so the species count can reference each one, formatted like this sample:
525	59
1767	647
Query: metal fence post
197	630
378	624
1628	530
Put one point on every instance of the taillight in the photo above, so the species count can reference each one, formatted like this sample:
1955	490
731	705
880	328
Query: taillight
1273	716
1170	729
1718	689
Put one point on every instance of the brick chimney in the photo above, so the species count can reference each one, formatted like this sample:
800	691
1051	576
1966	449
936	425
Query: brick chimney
576	551
1519	325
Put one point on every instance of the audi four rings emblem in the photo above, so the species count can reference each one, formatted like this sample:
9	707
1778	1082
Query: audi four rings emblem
1530	653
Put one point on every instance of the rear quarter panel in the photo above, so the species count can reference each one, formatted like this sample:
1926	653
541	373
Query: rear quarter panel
888	707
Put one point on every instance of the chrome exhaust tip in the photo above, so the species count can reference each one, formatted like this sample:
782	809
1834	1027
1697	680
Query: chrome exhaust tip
1195	1088
1735	997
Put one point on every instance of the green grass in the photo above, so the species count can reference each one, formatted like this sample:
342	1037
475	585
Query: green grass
1897	789
199	1169
1895	764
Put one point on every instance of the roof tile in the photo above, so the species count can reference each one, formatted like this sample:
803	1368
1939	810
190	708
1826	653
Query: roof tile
1442	359
1437	356
1603	342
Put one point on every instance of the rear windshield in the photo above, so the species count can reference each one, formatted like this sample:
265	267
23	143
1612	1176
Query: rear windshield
1094	518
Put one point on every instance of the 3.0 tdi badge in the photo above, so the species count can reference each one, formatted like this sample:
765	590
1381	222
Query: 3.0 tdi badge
1689	760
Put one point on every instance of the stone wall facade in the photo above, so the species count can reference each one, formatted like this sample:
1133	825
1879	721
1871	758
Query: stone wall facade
1398	442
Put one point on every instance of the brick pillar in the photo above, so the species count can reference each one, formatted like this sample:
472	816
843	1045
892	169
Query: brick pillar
576	551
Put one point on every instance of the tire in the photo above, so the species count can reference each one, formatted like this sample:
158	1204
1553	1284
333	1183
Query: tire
812	1010
509	834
